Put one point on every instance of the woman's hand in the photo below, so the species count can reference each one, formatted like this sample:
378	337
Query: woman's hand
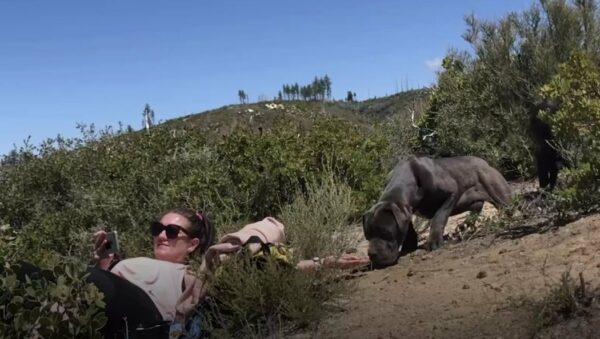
102	258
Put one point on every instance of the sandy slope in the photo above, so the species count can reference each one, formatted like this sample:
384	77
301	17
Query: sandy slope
473	289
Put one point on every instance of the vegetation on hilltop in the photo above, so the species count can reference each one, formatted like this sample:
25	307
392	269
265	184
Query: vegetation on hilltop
55	195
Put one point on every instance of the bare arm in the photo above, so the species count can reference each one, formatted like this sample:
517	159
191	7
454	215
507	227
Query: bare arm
345	261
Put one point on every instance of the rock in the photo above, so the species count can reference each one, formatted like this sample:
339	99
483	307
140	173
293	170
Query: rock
495	287
274	106
418	252
481	275
466	287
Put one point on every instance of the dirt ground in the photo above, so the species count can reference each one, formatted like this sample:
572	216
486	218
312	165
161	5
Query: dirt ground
480	288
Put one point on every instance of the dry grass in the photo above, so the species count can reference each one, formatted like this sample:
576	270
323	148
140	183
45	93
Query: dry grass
568	299
276	299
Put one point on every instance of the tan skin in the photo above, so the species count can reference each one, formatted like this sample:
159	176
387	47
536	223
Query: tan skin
172	250
345	261
177	250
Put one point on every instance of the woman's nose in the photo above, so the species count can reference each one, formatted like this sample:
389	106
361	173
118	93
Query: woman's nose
162	235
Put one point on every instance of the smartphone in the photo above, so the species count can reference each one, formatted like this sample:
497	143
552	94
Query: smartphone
112	242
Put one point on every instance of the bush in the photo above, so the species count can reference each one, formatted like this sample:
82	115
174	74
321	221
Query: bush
67	306
576	125
53	196
269	302
465	118
268	170
316	223
478	104
568	299
275	300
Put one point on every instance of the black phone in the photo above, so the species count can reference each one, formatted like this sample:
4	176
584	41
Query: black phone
112	242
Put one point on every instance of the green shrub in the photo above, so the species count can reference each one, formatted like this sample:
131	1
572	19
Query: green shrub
65	307
268	170
478	104
316	223
121	180
466	117
357	157
576	125
248	302
55	195
273	301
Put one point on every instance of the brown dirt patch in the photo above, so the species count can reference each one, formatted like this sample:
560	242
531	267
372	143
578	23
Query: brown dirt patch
473	289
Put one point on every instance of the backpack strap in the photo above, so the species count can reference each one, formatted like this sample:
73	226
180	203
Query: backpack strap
257	240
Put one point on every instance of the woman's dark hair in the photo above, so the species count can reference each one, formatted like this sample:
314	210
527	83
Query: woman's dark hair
200	227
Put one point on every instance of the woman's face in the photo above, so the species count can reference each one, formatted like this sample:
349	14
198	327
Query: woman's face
176	249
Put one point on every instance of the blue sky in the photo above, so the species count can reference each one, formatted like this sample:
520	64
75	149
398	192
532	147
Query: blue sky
64	62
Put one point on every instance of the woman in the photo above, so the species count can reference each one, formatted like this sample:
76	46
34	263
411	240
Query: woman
181	233
147	293
172	289
152	293
166	280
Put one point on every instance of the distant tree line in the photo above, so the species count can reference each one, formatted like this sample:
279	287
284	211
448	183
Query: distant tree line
318	90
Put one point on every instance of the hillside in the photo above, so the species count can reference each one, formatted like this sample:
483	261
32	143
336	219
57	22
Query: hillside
486	288
404	102
262	114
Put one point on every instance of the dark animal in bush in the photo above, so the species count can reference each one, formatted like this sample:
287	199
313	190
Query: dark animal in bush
546	156
432	188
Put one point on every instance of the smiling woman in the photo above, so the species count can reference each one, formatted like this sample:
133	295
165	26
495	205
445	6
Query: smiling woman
173	289
174	242
145	297
178	234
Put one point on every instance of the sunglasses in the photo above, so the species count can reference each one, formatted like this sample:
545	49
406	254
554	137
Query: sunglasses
172	231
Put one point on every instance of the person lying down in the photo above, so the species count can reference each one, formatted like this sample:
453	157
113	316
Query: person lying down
178	236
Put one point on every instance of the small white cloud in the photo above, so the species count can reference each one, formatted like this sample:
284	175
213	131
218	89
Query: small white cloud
434	64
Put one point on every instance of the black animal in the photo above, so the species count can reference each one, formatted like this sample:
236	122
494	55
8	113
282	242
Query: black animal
546	156
435	189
